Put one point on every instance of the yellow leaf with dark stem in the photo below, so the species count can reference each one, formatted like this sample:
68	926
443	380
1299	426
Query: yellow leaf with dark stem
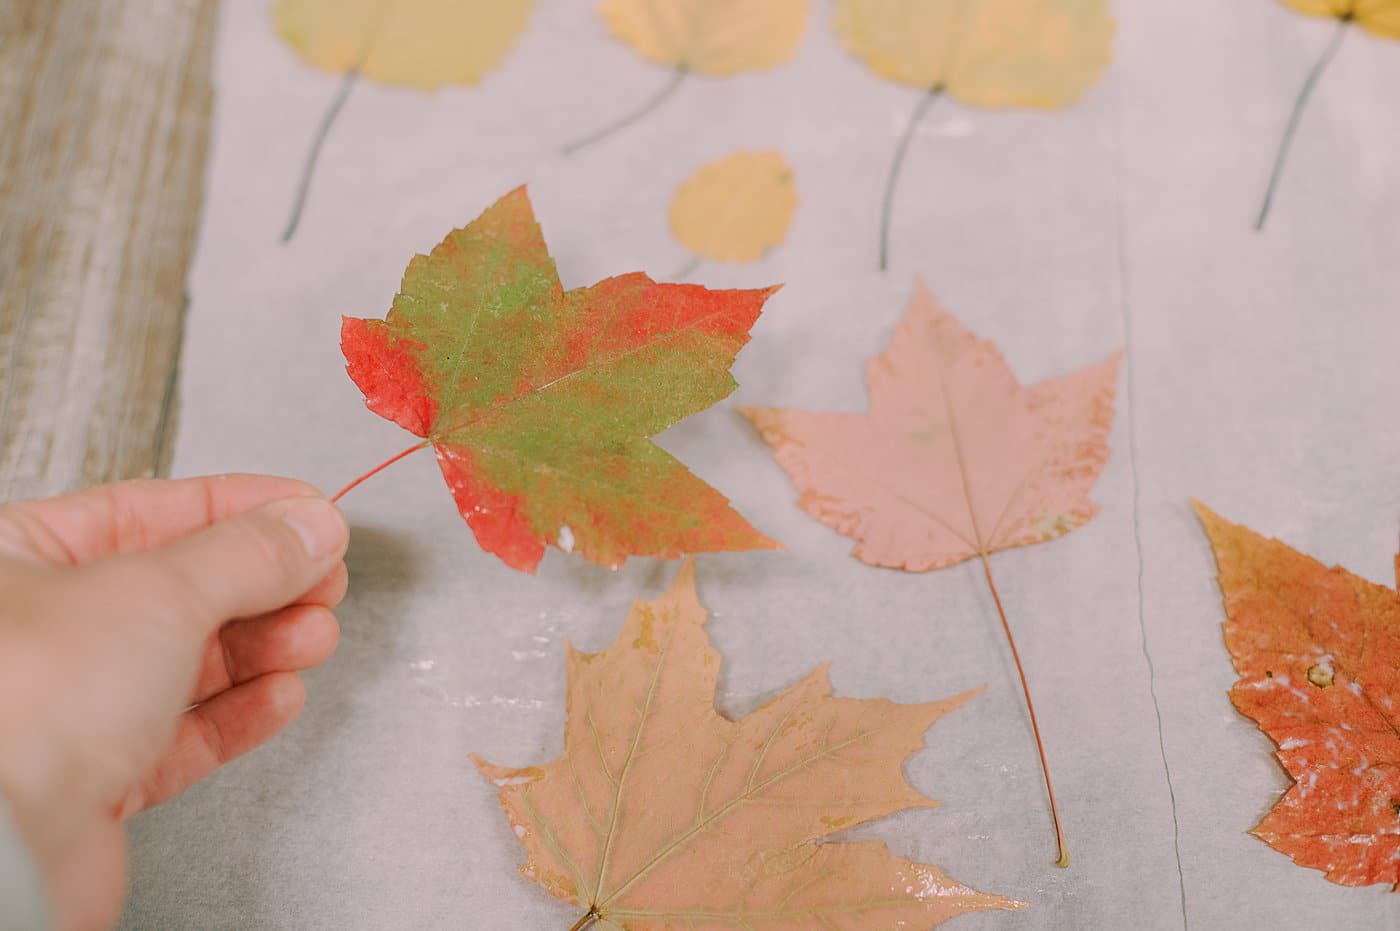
663	814
716	38
737	208
423	44
986	53
1380	17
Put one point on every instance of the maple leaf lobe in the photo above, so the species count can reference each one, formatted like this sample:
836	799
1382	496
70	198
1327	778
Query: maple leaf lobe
1318	654
954	457
383	368
540	403
662	810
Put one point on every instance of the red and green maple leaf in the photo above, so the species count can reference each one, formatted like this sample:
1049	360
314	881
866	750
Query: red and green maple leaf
540	403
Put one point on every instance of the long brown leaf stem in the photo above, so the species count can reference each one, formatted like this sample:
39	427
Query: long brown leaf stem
1304	95
896	166
308	170
623	122
380	468
1030	707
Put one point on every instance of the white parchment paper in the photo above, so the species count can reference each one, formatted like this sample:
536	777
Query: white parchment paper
1262	378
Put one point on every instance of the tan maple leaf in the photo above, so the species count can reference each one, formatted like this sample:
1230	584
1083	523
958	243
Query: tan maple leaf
662	813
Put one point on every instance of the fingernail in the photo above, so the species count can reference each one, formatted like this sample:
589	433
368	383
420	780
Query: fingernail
316	521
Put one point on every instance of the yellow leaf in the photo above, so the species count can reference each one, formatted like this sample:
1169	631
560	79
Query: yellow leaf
1381	17
988	53
714	37
661	813
411	43
737	208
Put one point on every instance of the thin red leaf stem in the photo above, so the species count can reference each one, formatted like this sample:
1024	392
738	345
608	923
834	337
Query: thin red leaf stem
379	468
1030	707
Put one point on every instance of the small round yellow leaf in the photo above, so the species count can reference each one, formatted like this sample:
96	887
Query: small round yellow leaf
713	37
987	53
1381	17
410	43
737	208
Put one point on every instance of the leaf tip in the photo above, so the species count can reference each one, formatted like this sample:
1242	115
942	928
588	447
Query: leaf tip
1211	521
682	587
923	302
970	693
924	298
1217	529
490	770
505	777
515	204
350	328
761	418
524	557
762	542
946	705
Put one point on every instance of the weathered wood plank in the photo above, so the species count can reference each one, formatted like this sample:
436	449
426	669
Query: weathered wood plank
104	122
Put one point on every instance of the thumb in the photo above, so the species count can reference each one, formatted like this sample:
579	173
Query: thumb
243	566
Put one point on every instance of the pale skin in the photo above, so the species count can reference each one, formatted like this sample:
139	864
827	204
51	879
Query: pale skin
149	633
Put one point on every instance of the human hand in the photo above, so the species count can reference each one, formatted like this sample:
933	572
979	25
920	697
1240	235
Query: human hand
150	632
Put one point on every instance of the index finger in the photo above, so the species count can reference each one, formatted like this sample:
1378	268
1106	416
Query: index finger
132	516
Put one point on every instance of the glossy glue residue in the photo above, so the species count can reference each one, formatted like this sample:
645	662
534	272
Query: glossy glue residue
430	679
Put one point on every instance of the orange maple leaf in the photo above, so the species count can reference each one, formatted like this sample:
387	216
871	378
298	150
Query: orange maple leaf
662	813
1318	653
954	460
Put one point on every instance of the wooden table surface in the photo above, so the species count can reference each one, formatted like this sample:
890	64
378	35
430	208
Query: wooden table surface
104	123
